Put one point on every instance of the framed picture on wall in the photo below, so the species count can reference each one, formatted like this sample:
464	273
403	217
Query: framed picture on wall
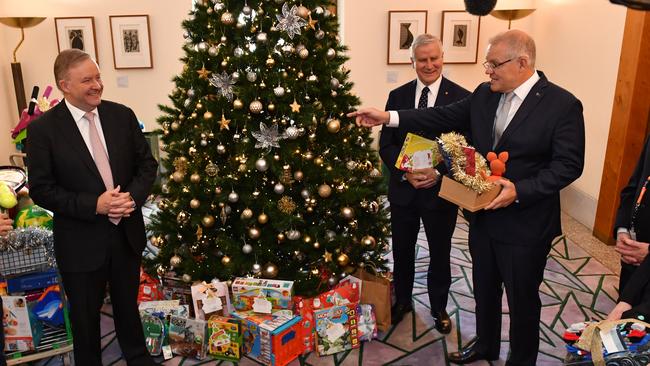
459	35
403	27
76	32
131	41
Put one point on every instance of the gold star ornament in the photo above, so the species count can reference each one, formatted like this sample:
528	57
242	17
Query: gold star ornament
327	256
312	23
223	123
295	107
203	73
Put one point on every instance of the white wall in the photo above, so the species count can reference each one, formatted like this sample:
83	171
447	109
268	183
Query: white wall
146	88
578	44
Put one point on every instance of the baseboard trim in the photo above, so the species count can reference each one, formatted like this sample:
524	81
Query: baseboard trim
579	205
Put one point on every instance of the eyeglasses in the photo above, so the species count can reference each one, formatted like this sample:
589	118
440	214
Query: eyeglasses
492	66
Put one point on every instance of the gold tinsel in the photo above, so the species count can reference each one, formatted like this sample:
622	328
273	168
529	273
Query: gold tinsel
286	205
452	143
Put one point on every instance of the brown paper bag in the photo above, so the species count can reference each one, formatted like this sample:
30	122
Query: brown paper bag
376	291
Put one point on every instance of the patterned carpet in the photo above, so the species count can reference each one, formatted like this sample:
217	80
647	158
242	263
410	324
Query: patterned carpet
576	287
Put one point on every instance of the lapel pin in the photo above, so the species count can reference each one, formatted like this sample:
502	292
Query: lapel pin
446	93
538	94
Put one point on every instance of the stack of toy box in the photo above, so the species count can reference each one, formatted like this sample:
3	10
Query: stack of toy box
262	295
224	338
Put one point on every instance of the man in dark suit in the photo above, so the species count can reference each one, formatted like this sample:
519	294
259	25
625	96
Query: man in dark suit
632	233
414	195
90	164
542	127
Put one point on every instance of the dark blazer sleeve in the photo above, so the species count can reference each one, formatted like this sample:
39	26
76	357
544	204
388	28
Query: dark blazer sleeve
146	167
633	291
566	161
43	185
389	146
629	193
439	119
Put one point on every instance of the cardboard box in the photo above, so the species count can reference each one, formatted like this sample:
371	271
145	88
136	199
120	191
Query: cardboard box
22	331
247	293
271	339
224	338
465	197
188	337
336	329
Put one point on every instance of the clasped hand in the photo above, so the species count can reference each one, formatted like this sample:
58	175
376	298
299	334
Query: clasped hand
631	251
115	204
422	178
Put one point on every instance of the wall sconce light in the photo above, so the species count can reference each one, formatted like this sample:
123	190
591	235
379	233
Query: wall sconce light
16	71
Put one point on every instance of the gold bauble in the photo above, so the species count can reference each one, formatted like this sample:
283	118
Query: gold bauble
368	241
207	115
186	278
238	104
255	106
302	12
175	261
281	237
298	175
199	106
207	221
225	260
194	203
195	178
333	125
306	239
270	62
263	218
315	271
271	107
175	126
246	214
343	260
270	270
227	18
316	245
324	190
193	115
254	232
347	212
178	177
318	161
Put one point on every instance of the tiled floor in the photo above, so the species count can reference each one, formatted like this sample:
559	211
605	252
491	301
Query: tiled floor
576	287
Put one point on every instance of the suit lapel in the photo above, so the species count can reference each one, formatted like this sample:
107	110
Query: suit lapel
71	132
534	96
409	96
443	97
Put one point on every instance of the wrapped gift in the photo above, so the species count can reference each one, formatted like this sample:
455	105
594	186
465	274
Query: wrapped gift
176	289
470	186
224	338
367	323
271	339
154	316
22	330
261	295
336	329
210	299
417	153
188	337
150	289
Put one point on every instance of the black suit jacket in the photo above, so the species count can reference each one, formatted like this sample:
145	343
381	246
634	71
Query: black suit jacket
545	140
391	141
63	178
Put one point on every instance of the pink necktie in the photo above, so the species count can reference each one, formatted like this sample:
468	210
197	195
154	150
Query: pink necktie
100	156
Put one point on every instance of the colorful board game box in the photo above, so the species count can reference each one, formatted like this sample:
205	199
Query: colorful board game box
22	330
336	329
188	337
258	293
224	338
271	339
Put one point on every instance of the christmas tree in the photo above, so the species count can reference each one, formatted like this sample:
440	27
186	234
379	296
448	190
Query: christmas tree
267	176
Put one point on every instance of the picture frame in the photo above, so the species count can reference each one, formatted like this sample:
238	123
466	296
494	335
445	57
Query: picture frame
131	41
459	35
76	32
403	27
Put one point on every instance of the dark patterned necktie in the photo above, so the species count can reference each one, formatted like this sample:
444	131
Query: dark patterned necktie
424	98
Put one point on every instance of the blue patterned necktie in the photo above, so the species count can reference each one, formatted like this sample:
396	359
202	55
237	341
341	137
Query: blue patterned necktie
424	98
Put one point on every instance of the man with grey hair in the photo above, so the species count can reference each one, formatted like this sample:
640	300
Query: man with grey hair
90	164
541	126
413	195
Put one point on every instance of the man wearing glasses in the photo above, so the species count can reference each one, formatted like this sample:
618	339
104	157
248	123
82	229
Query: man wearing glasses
542	127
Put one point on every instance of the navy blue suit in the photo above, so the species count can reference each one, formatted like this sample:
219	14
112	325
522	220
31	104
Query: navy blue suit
545	140
408	205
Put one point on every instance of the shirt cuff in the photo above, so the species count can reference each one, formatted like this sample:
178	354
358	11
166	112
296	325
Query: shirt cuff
622	230
393	121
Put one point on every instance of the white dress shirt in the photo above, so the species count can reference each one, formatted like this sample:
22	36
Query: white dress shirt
82	125
433	92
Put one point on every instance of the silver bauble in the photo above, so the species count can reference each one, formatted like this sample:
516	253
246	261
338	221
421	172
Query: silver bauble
187	278
332	281
291	133
257	268
278	91
203	46
246	214
304	193
303	53
261	37
213	51
293	234
318	10
334	83
221	149
331	53
219	6
247	248
312	78
330	235
255	106
191	92
261	164
320	34
247	10
238	52
251	76
278	188
235	76
227	18
233	197
175	261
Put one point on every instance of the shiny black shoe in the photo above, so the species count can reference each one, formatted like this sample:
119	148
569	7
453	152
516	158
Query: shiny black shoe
398	311
441	321
469	355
